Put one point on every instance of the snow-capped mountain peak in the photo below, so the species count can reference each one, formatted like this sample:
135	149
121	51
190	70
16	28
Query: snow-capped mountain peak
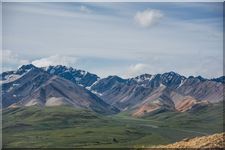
81	77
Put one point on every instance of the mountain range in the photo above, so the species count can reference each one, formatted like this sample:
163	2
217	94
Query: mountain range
139	96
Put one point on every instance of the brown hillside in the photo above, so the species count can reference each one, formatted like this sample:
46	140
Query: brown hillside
211	141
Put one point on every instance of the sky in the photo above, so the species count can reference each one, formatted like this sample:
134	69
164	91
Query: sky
124	39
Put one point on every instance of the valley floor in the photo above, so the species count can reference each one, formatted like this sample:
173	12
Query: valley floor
66	127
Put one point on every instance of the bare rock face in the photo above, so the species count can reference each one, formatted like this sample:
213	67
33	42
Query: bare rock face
214	141
38	87
189	103
25	81
169	91
202	89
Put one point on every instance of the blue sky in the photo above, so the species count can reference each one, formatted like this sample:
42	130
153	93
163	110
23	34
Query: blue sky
125	39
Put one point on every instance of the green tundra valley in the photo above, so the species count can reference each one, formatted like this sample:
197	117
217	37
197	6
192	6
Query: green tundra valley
67	127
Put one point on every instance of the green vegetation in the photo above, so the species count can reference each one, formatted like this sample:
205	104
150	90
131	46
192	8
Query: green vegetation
207	120
35	127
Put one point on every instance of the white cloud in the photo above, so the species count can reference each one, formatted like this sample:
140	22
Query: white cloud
135	70
10	60
8	57
55	60
148	17
85	9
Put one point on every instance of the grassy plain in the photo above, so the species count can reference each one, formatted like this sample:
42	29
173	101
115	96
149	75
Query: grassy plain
67	127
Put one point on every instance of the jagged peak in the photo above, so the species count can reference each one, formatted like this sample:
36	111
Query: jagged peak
115	77
143	77
65	68
57	67
172	73
200	78
197	77
25	67
219	79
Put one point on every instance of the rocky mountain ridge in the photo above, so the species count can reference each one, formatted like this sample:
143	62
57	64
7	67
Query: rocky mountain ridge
168	91
30	86
139	95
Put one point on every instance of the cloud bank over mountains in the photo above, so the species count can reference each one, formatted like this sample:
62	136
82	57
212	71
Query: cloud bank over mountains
55	60
10	60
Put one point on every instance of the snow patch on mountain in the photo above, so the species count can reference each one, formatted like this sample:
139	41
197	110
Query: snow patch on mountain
94	92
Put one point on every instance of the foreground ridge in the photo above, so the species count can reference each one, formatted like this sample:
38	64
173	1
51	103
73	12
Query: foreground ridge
210	141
